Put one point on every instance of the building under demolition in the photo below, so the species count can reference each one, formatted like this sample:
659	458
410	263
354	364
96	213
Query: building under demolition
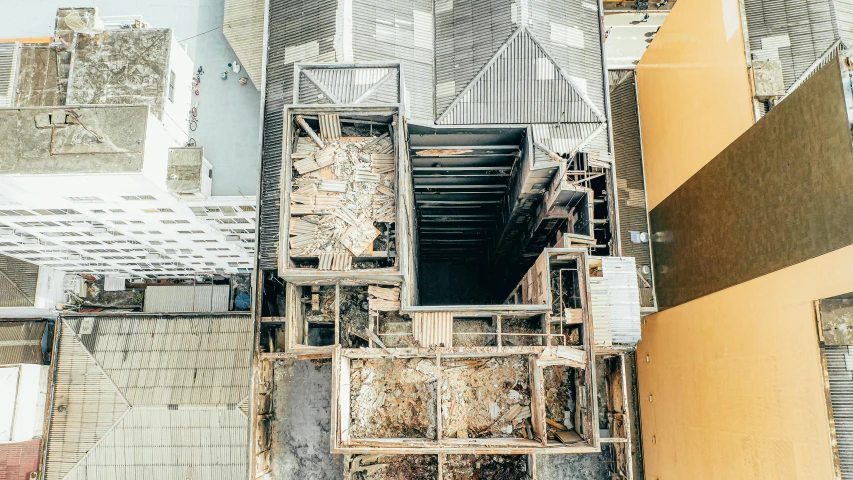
440	216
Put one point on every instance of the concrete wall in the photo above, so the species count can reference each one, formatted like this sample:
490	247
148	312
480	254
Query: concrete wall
694	92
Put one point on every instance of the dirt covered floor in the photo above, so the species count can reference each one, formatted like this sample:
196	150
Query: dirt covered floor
395	330
486	397
485	467
392	467
522	325
393	398
473	325
560	397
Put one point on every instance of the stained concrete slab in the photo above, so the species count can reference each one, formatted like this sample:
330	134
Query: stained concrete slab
111	139
228	113
301	422
123	67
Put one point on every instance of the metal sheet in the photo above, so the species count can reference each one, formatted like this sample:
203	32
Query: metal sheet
151	396
630	180
187	298
841	395
20	342
18	281
290	24
521	84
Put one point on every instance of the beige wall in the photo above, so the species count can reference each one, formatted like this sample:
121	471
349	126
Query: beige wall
694	92
736	382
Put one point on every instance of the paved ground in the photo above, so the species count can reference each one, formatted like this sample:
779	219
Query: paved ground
301	421
629	37
228	113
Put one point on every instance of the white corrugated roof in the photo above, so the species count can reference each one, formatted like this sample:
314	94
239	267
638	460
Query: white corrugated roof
151	396
186	298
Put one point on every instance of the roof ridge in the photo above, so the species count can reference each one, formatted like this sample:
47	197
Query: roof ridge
500	54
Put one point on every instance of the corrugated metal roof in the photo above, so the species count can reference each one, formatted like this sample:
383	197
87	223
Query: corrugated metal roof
467	35
839	361
570	30
20	342
291	24
349	85
186	298
10	54
630	181
151	396
18	280
797	33
243	26
616	298
399	30
521	84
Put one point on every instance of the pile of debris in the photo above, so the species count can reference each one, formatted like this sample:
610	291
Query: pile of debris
476	405
560	408
391	467
343	196
485	467
393	398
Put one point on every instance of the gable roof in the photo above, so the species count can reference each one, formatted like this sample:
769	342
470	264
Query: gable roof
521	84
151	396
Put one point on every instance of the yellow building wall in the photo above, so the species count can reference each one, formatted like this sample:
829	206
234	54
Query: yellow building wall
735	379
694	92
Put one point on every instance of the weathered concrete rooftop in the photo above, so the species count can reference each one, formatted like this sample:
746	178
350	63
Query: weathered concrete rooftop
121	67
73	140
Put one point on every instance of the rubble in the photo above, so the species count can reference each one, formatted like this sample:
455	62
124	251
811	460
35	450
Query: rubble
486	397
485	467
343	197
560	397
392	467
393	398
355	316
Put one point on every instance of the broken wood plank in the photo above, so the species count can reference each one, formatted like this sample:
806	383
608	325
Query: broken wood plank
383	292
308	130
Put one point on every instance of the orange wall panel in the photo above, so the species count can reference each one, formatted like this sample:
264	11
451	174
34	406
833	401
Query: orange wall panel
736	381
694	92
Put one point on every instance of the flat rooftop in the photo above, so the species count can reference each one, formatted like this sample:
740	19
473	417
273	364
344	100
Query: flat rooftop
73	140
121	67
